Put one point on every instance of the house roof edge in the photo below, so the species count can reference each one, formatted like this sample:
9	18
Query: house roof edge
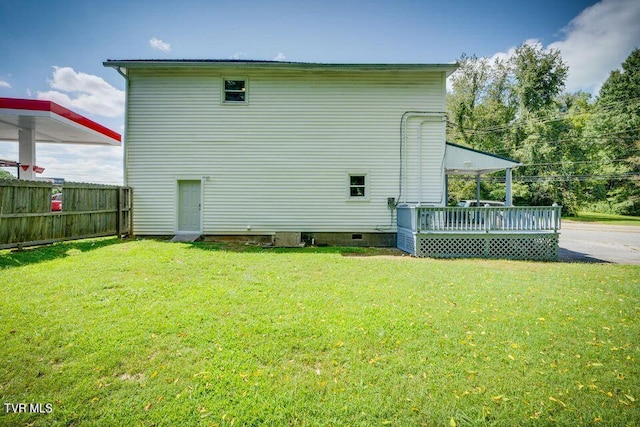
257	64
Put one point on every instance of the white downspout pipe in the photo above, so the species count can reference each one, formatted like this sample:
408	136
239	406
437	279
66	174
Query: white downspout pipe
403	147
420	162
125	151
419	149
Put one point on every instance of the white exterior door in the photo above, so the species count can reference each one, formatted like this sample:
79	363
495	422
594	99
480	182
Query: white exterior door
189	205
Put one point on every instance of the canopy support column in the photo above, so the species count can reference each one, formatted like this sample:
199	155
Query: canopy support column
27	152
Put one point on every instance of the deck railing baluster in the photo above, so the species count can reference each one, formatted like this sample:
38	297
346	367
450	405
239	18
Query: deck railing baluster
484	219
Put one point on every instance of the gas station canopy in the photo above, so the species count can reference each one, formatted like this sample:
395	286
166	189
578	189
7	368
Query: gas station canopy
52	123
29	121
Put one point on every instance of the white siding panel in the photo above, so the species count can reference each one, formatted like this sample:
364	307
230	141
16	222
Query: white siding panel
280	163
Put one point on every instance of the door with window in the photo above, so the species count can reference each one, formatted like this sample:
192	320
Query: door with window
189	206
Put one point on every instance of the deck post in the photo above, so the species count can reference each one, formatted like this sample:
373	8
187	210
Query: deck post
446	189
508	189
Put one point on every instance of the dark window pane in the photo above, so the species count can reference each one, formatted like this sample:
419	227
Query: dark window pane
234	85
234	96
357	191
357	179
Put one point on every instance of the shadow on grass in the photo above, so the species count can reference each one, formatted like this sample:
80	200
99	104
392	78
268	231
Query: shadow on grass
566	255
33	255
253	248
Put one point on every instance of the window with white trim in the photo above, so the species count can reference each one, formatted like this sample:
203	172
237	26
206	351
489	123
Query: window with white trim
358	186
235	91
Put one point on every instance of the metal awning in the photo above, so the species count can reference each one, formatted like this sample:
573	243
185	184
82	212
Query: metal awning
460	160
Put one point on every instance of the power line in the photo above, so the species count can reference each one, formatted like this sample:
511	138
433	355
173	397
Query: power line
558	178
562	116
576	140
576	162
587	177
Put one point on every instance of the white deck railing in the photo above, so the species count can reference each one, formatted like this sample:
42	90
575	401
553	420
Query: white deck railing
511	219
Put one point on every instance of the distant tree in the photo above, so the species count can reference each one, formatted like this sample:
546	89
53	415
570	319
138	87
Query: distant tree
481	103
6	175
539	76
614	130
510	108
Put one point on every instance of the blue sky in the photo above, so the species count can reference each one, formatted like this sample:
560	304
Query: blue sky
54	49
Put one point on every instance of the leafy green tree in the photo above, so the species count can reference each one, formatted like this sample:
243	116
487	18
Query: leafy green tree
6	175
614	132
481	105
539	77
511	108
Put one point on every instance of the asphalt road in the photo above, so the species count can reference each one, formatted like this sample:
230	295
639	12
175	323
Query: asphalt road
585	242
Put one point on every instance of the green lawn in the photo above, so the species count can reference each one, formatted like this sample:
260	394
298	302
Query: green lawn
600	218
152	333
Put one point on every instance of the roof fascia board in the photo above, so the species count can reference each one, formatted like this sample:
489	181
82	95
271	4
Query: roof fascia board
130	64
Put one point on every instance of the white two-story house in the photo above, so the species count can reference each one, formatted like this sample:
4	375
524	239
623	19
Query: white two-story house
292	151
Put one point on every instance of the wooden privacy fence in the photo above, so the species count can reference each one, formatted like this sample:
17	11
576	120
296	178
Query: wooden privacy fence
88	210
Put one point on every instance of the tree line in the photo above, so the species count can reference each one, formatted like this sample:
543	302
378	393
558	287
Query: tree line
580	151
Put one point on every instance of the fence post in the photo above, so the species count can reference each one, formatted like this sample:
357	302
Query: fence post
130	209
118	212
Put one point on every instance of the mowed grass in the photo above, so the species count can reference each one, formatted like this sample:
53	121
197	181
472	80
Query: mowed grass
608	219
154	333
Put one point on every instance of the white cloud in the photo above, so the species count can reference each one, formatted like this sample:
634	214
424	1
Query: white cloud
5	84
84	92
238	55
74	163
280	57
81	92
79	163
598	40
505	56
159	45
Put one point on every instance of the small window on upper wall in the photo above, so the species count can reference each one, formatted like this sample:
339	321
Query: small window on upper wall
235	91
358	186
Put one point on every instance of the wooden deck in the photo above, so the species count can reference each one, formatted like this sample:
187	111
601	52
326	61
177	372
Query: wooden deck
514	232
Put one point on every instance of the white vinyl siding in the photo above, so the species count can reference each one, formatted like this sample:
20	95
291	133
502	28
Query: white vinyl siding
279	163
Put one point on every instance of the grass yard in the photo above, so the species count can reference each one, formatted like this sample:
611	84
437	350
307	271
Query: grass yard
600	218
152	333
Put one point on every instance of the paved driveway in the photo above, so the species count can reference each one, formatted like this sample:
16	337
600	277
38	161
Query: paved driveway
585	242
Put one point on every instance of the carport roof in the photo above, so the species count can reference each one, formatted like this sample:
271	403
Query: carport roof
460	160
52	123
